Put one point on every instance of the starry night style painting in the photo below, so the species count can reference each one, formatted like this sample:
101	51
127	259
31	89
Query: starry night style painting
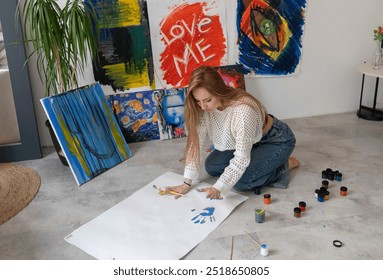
269	35
136	114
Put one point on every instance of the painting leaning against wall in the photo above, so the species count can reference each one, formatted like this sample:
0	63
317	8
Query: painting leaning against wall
170	108
269	35
136	113
87	131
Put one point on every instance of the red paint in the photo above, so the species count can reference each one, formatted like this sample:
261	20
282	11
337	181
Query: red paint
267	199
343	191
232	81
191	39
302	206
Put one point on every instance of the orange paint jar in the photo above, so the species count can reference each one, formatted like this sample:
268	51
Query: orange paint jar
297	212
343	191
302	205
267	198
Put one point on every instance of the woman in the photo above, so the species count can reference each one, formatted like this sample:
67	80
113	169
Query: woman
252	148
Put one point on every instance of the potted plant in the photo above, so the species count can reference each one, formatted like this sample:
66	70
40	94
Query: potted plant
63	39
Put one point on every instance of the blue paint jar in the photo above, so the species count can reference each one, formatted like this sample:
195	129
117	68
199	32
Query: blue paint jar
338	177
320	196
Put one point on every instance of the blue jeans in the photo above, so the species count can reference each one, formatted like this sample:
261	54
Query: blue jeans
269	160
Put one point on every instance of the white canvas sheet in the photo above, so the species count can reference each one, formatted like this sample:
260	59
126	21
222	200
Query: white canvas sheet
150	226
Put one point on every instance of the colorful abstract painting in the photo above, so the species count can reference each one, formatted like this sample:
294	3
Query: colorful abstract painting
185	35
87	131
233	75
136	113
170	108
124	56
270	33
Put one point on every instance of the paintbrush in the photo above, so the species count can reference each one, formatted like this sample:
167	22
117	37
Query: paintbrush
162	192
252	238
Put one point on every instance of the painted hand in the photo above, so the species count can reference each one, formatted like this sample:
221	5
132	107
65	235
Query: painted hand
180	189
212	193
206	213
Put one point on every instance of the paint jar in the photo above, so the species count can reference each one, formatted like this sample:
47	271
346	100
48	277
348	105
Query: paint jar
260	215
338	177
264	250
316	193
343	191
324	174
267	198
257	191
325	184
302	205
320	196
297	212
326	195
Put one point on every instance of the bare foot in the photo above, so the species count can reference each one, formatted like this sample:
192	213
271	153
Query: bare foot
293	163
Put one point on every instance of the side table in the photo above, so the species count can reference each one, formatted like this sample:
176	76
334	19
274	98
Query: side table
370	113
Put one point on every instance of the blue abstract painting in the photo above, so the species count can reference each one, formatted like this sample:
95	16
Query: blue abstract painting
269	35
136	113
87	131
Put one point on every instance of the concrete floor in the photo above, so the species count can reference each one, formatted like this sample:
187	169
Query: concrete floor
342	142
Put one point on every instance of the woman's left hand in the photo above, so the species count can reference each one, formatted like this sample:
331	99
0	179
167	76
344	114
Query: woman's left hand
212	193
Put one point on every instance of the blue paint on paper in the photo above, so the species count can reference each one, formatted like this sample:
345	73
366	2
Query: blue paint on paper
205	213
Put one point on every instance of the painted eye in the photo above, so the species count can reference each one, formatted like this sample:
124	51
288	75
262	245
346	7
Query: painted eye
267	27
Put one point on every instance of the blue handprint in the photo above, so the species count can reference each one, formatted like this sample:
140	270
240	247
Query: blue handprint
200	218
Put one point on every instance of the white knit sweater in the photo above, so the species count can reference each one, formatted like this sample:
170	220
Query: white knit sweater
235	128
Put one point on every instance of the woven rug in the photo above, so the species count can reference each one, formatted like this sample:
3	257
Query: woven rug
18	186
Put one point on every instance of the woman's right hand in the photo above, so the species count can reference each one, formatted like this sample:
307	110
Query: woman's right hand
180	189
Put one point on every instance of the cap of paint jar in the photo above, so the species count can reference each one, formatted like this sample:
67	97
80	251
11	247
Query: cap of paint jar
302	206
297	212
264	250
343	191
324	174
323	189
325	184
267	198
257	191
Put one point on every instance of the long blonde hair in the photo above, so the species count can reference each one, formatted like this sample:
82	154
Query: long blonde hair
209	78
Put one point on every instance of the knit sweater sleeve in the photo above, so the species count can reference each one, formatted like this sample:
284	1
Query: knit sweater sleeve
246	127
192	168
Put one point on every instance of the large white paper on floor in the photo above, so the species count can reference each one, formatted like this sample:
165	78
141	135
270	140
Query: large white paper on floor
149	226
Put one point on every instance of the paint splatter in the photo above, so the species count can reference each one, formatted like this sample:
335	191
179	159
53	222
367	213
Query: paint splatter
192	38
